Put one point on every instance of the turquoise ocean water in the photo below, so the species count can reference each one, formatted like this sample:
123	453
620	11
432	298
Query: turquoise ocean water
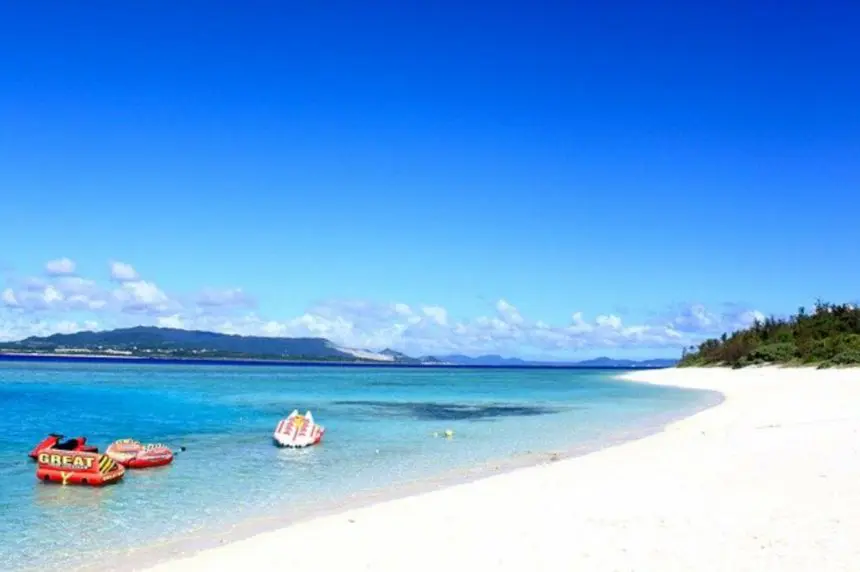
379	424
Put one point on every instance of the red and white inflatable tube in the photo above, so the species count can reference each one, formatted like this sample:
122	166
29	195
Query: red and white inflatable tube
136	455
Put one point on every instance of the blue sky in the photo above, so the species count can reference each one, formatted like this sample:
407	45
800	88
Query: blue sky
644	162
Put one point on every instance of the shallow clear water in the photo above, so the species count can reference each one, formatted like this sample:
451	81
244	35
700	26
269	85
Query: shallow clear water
379	422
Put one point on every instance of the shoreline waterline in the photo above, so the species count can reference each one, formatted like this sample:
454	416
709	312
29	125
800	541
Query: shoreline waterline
766	480
385	440
192	544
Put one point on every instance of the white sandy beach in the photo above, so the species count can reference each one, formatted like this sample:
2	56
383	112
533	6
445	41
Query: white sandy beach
768	480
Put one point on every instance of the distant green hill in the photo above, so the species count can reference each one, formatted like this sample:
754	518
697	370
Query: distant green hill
152	341
830	336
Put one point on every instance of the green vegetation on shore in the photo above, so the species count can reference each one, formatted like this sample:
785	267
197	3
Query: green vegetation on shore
830	336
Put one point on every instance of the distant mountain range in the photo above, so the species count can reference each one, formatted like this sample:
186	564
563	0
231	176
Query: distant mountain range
498	360
152	342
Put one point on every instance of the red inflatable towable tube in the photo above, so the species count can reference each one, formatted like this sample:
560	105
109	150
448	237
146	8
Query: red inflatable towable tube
55	441
77	468
136	455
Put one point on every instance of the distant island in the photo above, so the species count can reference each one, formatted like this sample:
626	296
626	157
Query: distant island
497	360
153	343
829	336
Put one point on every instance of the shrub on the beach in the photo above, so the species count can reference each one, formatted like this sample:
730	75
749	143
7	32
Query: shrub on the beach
828	336
848	357
779	352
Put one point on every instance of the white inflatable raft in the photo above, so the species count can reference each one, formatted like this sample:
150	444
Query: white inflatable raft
298	431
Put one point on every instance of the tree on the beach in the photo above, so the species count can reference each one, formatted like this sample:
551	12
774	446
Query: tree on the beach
829	336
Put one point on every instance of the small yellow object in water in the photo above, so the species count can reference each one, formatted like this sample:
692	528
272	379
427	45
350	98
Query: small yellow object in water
449	433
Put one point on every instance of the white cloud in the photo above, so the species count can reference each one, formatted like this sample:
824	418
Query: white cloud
747	318
578	324
697	319
375	326
122	272
51	295
402	309
75	285
611	322
142	296
508	313
172	321
65	302
60	267
19	328
213	297
62	293
437	313
8	298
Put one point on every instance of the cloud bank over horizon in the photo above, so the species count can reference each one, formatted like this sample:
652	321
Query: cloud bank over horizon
62	301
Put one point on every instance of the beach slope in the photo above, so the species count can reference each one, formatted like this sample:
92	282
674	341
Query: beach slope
767	480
